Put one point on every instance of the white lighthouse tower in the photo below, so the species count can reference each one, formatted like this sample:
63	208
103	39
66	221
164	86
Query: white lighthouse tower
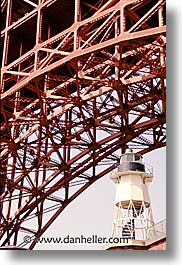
133	221
133	225
133	214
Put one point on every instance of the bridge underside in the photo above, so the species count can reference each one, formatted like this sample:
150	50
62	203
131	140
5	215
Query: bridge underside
80	83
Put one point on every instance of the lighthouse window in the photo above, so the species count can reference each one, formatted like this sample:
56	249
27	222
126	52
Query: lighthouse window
130	157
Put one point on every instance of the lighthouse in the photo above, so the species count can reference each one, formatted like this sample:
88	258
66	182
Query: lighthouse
133	221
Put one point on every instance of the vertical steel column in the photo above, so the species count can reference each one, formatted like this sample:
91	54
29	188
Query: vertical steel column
77	18
20	199
122	19
3	168
6	39
38	31
17	95
3	182
117	52
161	23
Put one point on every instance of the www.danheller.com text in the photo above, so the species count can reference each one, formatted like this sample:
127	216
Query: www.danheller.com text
93	239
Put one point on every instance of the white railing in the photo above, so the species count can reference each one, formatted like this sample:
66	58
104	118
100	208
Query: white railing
137	232
157	230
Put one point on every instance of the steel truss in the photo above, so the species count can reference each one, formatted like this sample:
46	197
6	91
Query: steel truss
73	101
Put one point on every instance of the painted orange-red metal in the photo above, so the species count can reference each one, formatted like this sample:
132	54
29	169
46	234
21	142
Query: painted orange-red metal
80	83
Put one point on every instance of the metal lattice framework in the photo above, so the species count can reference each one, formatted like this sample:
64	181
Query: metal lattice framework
80	83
